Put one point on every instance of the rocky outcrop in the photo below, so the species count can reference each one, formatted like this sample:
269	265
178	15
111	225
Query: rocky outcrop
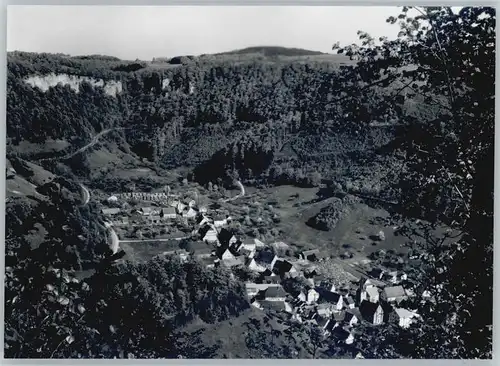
111	87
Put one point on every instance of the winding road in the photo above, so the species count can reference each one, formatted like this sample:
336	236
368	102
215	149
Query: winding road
114	241
86	195
92	142
153	240
241	194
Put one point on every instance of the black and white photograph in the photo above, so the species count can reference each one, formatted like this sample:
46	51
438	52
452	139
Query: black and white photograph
249	182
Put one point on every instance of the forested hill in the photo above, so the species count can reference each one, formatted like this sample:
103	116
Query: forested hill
274	51
302	117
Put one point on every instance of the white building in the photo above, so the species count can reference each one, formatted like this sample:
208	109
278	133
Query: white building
311	297
403	317
112	199
371	293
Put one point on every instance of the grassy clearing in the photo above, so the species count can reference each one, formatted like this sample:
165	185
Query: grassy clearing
109	157
161	66
26	148
36	236
225	339
19	187
147	250
352	232
40	176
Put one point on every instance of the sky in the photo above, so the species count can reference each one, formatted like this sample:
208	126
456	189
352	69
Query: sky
144	32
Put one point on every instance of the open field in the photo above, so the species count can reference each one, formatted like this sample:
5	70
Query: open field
49	146
36	235
233	344
354	230
146	250
161	65
40	176
19	187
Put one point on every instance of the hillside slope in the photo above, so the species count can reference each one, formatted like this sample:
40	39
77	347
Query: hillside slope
273	51
298	116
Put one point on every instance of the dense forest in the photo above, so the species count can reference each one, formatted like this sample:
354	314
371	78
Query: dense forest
298	118
410	121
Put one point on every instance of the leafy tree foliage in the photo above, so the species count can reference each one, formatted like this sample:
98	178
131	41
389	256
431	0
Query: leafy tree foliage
448	58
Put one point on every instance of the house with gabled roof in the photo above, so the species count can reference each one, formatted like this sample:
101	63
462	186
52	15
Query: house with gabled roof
266	272
190	214
232	262
339	316
226	237
370	293
276	293
180	208
253	266
311	255
310	316
249	247
121	221
256	303
168	213
325	283
235	247
403	317
350	318
222	221
112	198
322	321
110	211
333	298
289	307
247	252
393	294
154	219
329	326
312	272
364	283
202	220
325	309
254	288
394	277
343	334
311	296
253	241
266	258
224	253
208	234
282	266
372	312
349	302
146	211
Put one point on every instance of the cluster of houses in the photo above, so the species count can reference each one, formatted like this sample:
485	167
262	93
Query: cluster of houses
335	310
153	215
141	196
173	210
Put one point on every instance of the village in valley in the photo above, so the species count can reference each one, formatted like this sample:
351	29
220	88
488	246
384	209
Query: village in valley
336	302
